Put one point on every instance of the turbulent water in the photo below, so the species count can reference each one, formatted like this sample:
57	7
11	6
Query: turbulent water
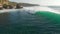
22	22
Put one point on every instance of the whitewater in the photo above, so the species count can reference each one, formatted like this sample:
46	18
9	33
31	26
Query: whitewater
30	20
42	8
33	9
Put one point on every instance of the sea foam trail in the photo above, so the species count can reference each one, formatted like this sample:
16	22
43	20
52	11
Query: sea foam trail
42	8
48	9
9	10
32	9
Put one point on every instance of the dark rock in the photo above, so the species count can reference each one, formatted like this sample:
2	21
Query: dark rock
18	6
5	6
10	6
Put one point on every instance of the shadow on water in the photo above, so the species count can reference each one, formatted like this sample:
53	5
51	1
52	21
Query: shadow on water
24	23
3	22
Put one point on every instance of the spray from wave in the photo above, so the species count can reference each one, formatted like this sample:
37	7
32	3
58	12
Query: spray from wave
42	8
46	12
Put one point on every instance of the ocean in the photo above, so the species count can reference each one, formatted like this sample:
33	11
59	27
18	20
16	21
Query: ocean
23	22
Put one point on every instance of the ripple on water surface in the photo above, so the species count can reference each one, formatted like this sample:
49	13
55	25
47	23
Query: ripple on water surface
24	23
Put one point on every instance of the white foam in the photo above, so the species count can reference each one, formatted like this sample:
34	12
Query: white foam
9	10
32	9
47	9
38	8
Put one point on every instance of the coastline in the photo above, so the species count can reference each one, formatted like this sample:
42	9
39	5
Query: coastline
9	10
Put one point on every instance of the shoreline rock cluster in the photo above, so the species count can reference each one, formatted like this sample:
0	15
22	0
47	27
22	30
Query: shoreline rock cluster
10	7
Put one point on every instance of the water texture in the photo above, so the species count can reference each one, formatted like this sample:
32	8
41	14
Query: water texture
22	22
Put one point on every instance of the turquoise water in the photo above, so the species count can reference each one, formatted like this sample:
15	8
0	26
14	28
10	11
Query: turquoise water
49	15
22	22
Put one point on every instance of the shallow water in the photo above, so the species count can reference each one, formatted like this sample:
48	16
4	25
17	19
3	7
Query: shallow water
25	23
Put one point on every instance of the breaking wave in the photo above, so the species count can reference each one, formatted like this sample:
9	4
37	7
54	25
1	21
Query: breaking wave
42	8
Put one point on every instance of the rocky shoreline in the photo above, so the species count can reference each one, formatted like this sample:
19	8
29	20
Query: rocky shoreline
10	6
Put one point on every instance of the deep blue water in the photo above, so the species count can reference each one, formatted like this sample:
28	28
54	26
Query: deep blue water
25	23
